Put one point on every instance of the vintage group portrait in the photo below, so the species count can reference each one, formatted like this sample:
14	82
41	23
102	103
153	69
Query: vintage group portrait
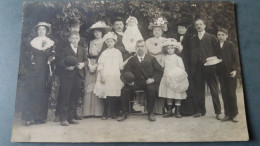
129	71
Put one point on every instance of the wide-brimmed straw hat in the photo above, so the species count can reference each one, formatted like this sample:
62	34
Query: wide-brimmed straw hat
47	25
212	61
159	22
172	42
110	35
100	25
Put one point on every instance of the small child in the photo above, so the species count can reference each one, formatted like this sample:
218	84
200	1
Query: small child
73	60
174	82
227	73
108	84
131	34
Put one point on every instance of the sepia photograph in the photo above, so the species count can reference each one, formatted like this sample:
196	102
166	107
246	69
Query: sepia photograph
129	71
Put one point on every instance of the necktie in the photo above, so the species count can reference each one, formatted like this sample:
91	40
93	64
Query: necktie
141	59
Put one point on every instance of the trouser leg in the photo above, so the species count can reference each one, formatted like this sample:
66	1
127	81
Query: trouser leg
65	89
232	100
213	86
74	97
198	89
150	97
126	93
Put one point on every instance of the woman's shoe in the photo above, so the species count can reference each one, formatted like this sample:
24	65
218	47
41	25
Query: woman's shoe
104	117
197	115
28	123
122	118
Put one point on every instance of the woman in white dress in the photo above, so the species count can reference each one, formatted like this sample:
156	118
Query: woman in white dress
154	48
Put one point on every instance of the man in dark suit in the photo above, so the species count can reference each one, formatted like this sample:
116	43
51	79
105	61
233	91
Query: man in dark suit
202	46
145	69
227	75
72	61
63	42
118	28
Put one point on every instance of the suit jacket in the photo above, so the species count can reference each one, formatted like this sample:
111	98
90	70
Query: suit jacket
67	51
121	47
148	68
185	53
229	56
202	49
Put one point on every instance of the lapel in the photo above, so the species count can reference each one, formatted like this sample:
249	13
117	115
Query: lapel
203	37
145	59
136	60
72	52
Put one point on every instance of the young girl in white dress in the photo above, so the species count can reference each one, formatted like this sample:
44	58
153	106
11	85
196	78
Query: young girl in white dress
108	85
174	82
131	34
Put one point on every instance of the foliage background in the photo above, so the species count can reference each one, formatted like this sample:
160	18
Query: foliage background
217	14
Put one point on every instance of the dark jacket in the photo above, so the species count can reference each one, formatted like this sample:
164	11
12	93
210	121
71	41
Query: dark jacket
185	53
229	56
121	47
202	49
148	68
67	51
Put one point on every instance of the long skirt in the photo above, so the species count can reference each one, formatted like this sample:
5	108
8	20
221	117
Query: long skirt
35	99
92	105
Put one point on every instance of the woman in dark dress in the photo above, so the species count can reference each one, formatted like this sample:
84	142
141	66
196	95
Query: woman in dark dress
39	54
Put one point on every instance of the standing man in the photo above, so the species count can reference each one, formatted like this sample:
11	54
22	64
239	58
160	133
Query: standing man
73	26
144	68
202	46
118	28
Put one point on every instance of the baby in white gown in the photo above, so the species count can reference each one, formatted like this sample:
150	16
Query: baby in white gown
131	34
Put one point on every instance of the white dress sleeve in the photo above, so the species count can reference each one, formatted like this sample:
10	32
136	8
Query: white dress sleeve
101	61
151	48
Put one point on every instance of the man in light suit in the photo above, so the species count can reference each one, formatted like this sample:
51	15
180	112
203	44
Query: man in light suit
202	46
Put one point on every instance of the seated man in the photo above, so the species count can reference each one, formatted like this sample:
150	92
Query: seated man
145	69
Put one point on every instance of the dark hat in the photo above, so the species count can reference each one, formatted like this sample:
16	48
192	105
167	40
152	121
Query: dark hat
183	22
127	77
113	20
74	22
71	61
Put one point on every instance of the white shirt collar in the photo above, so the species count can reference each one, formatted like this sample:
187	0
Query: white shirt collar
141	57
201	34
221	44
73	48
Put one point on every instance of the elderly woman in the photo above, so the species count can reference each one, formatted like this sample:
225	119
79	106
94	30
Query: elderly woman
39	55
154	48
93	106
